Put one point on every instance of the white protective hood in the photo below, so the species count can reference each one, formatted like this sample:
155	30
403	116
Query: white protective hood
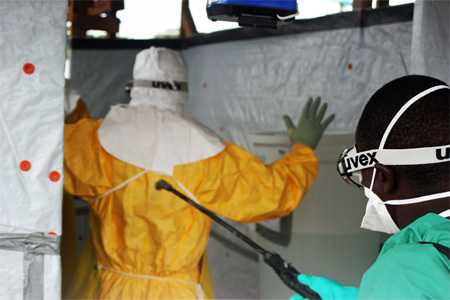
151	132
158	65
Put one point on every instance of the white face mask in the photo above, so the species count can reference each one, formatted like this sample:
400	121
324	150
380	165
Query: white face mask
377	217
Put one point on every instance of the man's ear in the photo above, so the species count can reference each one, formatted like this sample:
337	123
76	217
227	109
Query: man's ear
386	179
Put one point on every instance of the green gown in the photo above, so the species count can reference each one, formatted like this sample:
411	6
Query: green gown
406	269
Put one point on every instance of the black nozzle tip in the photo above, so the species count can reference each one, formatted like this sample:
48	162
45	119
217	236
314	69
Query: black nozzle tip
162	185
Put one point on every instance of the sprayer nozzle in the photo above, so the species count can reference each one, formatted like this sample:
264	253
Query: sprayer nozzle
163	185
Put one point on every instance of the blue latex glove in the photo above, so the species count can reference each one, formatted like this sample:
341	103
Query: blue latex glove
326	288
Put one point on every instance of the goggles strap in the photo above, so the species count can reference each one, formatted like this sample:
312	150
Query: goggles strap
419	199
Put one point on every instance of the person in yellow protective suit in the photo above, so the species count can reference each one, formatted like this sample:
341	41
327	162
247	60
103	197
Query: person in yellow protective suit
149	244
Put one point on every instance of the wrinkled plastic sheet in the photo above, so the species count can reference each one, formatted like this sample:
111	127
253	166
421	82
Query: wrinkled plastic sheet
244	87
430	52
31	110
31	129
27	255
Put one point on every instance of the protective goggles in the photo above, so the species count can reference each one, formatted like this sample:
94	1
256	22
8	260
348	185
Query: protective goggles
351	162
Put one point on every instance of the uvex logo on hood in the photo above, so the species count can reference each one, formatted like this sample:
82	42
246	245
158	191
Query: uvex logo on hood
174	86
360	161
443	153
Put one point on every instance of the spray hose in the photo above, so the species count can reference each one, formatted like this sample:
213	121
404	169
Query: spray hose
287	273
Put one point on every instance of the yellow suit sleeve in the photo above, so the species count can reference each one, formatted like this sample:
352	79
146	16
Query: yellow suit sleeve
239	186
87	167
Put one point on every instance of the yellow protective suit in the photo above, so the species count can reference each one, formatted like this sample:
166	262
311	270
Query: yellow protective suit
79	275
148	243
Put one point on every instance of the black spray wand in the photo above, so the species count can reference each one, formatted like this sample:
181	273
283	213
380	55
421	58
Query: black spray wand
287	273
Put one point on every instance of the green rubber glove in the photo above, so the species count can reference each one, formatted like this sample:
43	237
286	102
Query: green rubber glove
311	125
327	288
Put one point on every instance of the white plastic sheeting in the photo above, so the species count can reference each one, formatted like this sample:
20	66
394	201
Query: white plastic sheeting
241	88
32	43
430	53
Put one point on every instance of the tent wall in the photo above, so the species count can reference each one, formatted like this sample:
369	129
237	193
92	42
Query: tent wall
242	87
32	43
431	39
234	87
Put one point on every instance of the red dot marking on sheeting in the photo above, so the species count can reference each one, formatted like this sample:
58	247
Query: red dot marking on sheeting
52	233
350	66
25	165
54	176
29	68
